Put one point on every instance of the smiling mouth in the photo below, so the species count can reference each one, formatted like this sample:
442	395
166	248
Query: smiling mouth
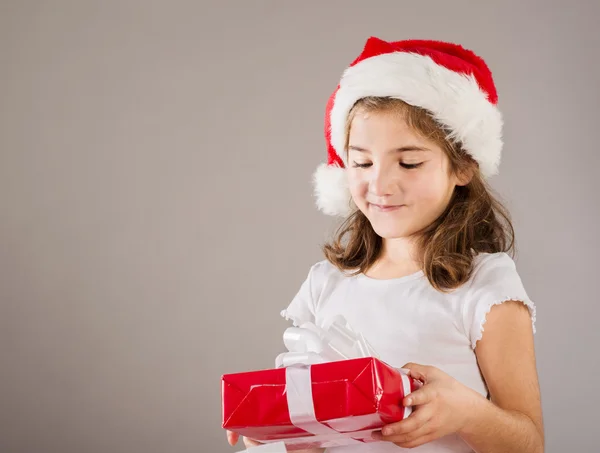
385	207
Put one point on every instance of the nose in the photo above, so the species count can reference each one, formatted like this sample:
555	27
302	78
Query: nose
382	181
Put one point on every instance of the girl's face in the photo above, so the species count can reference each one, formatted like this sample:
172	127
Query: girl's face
401	181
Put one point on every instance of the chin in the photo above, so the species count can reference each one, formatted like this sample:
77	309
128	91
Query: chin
390	231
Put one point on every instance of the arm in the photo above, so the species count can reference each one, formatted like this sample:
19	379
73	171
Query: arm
512	421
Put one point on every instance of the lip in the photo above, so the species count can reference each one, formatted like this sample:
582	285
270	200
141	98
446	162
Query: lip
385	208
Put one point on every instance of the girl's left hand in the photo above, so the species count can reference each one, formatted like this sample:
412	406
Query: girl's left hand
442	406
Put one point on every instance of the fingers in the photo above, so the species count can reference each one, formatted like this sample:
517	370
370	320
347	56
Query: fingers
417	371
415	426
421	396
251	443
417	439
232	437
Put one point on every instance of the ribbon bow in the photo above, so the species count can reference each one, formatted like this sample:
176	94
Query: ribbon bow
310	344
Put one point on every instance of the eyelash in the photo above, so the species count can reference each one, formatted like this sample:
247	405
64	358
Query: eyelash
406	166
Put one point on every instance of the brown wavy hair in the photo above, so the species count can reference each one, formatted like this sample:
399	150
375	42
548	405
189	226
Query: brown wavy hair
474	221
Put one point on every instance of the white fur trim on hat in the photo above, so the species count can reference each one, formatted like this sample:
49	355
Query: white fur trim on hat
331	190
455	100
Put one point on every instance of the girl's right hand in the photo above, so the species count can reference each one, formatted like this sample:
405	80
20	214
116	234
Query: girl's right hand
233	438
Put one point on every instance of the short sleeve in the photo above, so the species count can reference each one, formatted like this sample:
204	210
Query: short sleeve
495	280
302	307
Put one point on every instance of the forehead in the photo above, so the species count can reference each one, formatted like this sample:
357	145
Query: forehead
385	129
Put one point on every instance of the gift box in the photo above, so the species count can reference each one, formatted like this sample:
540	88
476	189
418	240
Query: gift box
319	405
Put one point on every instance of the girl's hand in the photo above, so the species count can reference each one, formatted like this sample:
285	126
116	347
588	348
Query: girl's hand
442	406
233	438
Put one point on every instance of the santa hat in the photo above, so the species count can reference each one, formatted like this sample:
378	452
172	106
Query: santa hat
452	83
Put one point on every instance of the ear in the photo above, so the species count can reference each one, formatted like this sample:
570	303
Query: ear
464	176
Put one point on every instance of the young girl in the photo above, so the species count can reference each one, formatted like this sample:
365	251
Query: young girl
420	264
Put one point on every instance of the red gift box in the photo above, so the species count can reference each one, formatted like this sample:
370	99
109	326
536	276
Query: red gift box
351	398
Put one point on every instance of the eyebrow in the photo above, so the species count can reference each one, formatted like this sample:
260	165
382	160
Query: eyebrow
396	150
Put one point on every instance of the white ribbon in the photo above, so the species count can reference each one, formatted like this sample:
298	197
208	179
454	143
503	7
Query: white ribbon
298	385
302	409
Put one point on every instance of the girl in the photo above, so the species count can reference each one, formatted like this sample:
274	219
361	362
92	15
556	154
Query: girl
420	263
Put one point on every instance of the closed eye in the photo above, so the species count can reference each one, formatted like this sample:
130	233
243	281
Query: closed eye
407	166
411	166
357	165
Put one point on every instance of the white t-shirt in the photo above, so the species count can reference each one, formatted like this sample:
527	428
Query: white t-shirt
406	320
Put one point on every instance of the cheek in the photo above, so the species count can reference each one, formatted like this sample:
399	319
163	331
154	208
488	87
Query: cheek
357	184
432	189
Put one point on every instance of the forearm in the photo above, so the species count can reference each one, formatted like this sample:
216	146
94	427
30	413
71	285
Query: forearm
495	430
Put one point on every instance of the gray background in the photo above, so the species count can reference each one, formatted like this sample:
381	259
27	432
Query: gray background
156	209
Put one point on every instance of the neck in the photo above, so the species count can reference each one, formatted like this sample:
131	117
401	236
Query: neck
397	259
400	251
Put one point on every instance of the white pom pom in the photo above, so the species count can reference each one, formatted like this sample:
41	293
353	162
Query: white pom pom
331	190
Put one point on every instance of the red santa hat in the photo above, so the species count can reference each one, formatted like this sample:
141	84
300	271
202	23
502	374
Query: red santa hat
447	80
